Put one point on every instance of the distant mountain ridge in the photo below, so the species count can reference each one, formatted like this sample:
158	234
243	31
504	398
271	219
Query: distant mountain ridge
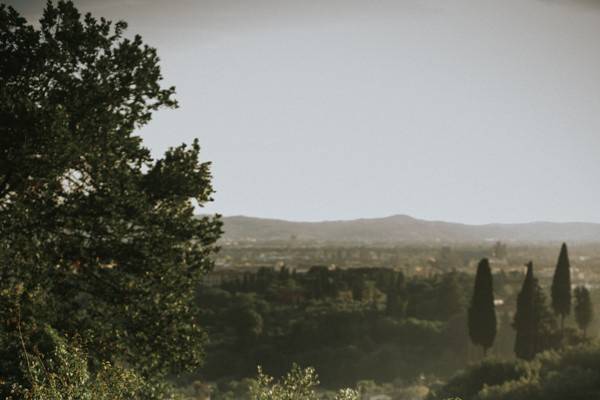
405	229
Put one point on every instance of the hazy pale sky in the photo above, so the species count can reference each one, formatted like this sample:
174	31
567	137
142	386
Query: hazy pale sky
463	110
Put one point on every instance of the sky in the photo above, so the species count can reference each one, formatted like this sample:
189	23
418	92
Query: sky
471	111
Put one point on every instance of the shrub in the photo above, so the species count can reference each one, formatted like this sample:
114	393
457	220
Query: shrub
57	369
490	372
298	384
573	374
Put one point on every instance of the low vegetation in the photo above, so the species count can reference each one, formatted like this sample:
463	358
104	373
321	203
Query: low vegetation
572	373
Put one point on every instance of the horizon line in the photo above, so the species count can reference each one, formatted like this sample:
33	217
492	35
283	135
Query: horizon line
316	221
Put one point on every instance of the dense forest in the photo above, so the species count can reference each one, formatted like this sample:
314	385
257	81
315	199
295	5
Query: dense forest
111	286
372	324
349	324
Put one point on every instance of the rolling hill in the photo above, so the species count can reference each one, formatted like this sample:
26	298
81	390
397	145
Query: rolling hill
405	229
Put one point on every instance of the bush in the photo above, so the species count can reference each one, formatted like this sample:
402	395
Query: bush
489	372
572	374
298	384
58	370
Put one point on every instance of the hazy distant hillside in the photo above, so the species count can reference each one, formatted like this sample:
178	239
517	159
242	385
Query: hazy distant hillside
402	228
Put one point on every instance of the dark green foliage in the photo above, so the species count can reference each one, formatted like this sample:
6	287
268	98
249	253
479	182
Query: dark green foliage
313	319
561	285
482	313
584	311
524	322
451	296
245	320
395	302
58	370
439	298
97	239
490	372
533	321
572	374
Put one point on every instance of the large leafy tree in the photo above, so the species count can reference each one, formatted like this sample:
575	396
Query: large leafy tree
97	239
482	313
561	286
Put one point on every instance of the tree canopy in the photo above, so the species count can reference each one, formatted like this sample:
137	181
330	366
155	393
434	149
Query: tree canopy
98	240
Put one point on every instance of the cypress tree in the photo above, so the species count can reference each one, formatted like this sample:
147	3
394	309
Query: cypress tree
482	314
533	320
584	311
524	318
544	321
561	286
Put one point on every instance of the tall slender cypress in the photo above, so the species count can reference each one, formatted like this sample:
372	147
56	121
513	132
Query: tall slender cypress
524	322
561	286
533	322
584	311
482	313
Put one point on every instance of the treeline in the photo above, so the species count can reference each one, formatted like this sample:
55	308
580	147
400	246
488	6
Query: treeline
379	324
438	297
350	324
